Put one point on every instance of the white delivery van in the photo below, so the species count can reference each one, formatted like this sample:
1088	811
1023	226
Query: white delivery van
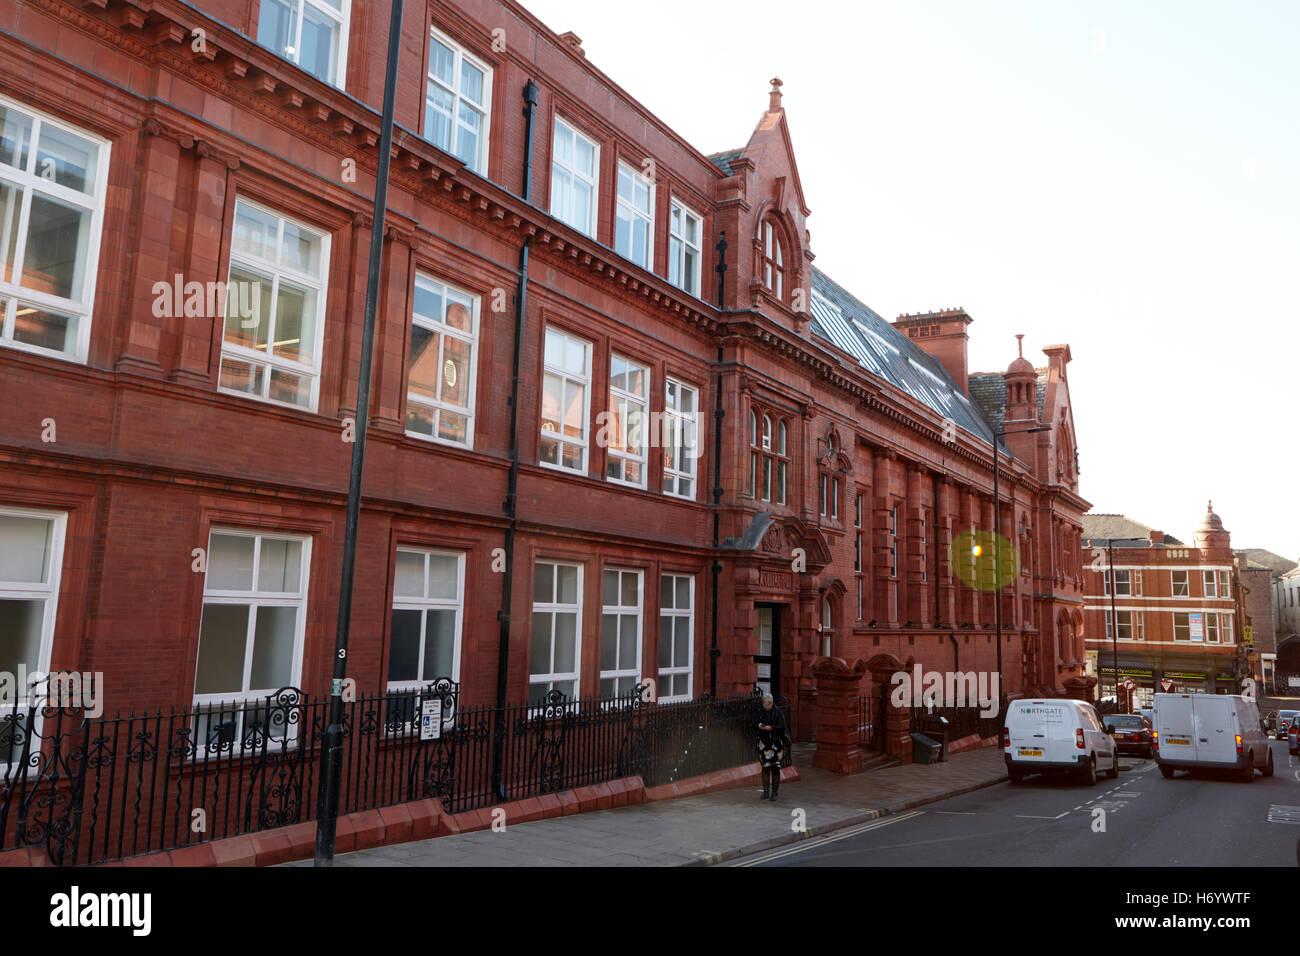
1057	736
1211	732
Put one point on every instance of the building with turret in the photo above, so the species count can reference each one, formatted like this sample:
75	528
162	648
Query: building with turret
1165	615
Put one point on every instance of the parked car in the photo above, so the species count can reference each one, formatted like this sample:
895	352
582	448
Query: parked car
1149	713
1057	736
1133	734
1211	732
1293	737
1285	718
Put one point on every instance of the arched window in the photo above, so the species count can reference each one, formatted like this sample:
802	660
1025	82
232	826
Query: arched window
773	261
827	628
767	461
828	494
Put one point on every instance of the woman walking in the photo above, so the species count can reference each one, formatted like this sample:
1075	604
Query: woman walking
772	744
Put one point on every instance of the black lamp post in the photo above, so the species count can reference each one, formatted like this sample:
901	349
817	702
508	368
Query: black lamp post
997	546
332	744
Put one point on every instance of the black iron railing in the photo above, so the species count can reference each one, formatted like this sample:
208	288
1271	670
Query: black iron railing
962	721
871	720
93	790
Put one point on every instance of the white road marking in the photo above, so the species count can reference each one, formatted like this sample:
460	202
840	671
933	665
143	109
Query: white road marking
823	841
1029	816
1278	813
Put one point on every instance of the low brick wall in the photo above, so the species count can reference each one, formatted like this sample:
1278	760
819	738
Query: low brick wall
971	742
418	820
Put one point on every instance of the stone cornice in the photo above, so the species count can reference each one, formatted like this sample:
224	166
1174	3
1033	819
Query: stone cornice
153	126
161	33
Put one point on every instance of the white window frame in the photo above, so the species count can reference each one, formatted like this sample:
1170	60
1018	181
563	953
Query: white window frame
678	423
679	246
424	605
565	378
773	254
30	181
621	610
276	272
566	216
1173	583
442	329
550	678
674	613
1225	585
342	17
252	599
459	55
1210	582
1211	628
1225	629
638	456
1188	638
48	592
1136	626
626	208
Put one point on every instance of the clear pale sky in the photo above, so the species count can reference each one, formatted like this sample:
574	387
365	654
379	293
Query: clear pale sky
1121	176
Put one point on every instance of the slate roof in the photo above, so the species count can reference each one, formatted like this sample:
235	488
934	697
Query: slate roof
885	352
1122	530
989	391
1267	559
723	160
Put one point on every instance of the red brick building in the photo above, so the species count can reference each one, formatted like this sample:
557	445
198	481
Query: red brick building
1179	609
176	463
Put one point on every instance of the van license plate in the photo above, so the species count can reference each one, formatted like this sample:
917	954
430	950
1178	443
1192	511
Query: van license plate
1030	752
1182	741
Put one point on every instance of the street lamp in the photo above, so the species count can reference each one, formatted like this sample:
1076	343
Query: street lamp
997	546
332	742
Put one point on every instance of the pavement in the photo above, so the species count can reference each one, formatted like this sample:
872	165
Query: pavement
701	830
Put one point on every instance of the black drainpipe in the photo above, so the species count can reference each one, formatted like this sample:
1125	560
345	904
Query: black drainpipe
510	505
931	542
718	413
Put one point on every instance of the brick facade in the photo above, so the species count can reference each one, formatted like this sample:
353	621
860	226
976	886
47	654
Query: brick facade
1180	612
151	454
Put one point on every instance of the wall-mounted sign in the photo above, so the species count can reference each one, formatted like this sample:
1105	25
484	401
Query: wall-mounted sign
1184	675
1138	672
1198	625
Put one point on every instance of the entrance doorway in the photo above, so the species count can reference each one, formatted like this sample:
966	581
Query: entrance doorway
768	658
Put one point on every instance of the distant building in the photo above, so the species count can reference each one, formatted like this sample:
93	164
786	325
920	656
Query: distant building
1177	609
1286	605
1257	631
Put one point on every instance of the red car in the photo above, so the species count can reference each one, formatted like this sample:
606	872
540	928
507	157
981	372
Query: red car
1132	733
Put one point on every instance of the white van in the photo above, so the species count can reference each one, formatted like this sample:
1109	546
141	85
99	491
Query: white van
1057	736
1211	732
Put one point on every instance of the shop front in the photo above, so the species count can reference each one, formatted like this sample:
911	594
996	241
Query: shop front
1143	676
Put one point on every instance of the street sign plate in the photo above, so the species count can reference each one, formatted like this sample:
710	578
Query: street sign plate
431	719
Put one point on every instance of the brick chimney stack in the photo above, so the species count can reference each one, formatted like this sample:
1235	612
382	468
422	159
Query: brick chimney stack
943	335
1157	537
